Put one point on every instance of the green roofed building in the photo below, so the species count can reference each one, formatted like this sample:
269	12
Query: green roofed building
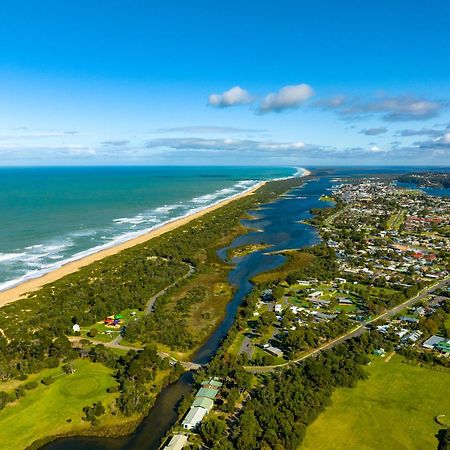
207	392
212	383
203	402
444	347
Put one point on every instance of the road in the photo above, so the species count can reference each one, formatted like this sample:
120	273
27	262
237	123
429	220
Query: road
151	302
356	331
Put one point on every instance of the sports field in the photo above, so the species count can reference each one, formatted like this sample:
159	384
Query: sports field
394	409
45	410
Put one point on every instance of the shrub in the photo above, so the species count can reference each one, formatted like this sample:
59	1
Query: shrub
93	332
47	380
31	385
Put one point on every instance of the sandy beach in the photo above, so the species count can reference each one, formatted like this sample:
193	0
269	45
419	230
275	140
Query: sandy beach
17	292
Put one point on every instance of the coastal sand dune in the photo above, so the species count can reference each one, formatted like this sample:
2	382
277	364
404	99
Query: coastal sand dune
17	292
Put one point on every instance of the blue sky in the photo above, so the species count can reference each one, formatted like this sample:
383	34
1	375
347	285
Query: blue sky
254	82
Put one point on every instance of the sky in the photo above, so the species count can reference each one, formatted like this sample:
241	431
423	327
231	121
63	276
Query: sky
100	82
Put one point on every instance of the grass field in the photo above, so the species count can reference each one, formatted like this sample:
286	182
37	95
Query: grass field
44	411
394	409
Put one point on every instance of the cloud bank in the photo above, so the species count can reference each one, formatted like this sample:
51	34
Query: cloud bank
373	131
391	109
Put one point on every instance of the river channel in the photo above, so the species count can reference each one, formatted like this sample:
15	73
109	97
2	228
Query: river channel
277	224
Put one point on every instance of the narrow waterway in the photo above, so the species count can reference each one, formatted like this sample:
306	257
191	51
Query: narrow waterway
278	225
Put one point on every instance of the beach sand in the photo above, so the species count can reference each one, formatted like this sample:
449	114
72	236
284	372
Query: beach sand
17	292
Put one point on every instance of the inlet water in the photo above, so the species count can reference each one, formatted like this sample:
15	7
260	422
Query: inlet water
277	225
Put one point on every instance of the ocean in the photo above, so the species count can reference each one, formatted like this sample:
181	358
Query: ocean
53	215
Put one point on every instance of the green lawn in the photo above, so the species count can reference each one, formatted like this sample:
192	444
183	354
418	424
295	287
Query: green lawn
44	411
393	410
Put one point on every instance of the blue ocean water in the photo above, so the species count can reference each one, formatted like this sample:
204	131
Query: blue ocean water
51	215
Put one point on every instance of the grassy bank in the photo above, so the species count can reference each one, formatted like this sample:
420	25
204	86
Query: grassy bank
395	408
295	261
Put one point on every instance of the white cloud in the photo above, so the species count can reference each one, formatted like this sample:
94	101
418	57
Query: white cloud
288	97
376	149
233	97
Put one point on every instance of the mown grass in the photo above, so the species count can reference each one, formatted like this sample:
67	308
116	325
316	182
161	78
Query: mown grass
395	408
45	410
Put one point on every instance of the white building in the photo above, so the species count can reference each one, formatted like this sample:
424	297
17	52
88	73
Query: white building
193	417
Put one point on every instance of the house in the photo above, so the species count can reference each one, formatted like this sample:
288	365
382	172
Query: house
278	308
409	319
177	442
420	311
267	295
431	342
344	301
318	303
320	317
379	352
383	328
411	337
193	417
340	280
315	294
274	351
76	328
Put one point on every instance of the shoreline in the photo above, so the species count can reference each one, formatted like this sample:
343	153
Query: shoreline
21	290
